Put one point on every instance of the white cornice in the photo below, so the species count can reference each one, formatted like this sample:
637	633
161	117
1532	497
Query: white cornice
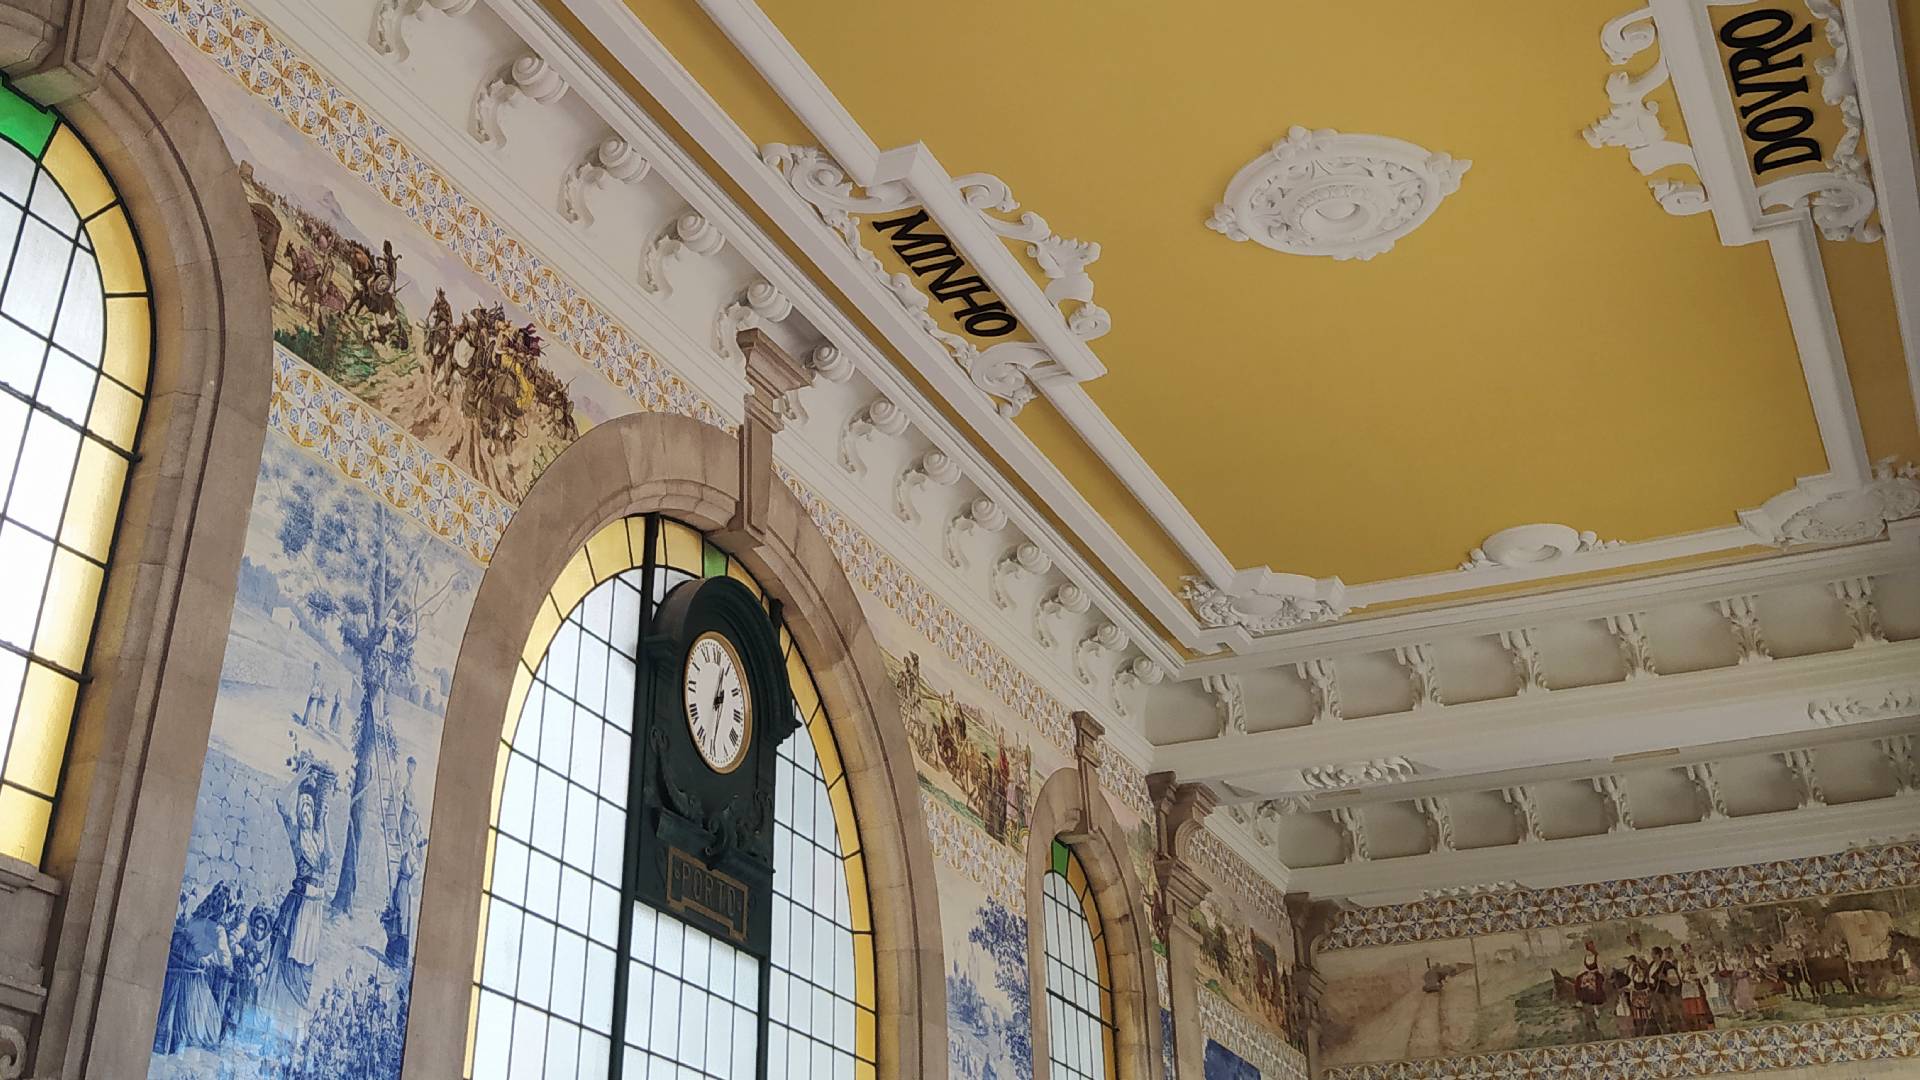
1886	109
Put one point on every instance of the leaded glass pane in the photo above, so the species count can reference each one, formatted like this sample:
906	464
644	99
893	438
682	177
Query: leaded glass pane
1079	1002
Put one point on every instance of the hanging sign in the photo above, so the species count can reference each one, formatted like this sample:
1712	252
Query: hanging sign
1768	54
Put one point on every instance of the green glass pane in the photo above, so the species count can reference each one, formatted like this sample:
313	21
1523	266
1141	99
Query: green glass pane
25	124
713	562
1060	858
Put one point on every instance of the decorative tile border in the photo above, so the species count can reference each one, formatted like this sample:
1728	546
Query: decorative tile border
1889	866
968	849
1251	1041
1212	857
318	414
312	103
1700	1053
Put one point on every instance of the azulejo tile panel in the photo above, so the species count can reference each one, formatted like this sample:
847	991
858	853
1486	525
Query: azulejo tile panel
1250	1041
316	413
1213	857
306	98
1672	1057
968	849
1887	866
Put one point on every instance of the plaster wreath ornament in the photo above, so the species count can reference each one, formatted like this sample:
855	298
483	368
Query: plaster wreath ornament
1531	545
1340	195
1259	611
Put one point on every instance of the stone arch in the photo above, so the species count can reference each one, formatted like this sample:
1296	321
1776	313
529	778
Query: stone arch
140	733
1072	807
645	463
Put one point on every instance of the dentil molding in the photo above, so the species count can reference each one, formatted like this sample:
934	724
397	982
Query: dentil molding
1340	195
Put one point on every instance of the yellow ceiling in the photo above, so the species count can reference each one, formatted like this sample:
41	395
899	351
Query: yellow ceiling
1550	346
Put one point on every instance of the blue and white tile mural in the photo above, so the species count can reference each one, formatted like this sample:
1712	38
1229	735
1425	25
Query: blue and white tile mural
292	950
989	1025
1223	1064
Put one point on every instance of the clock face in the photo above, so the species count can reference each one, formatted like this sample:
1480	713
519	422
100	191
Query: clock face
719	702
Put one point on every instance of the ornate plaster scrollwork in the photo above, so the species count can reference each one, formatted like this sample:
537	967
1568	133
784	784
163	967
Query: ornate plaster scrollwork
1103	638
829	363
1706	785
1229	702
1352	774
1327	193
1863	618
1531	545
1025	559
1422	675
1353	830
689	232
613	159
1619	810
1815	511
982	514
1806	774
1842	198
1323	683
1065	597
1261	612
1743	619
760	304
1834	712
1138	673
1526	812
879	417
1439	822
1898	752
934	467
1633	122
1631	637
390	18
1527	668
13	1052
529	77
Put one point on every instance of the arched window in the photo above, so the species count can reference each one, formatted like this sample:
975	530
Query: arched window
1080	1025
75	339
562	989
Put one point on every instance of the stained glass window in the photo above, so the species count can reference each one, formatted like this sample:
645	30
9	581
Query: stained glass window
1079	989
75	338
561	989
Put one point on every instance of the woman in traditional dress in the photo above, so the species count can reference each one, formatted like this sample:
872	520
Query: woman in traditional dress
1696	1014
296	943
198	960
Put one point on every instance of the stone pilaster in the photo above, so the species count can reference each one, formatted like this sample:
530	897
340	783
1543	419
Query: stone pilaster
1180	810
1311	920
771	375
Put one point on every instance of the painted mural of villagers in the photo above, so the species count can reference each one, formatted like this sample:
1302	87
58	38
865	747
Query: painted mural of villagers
967	760
1246	968
1628	978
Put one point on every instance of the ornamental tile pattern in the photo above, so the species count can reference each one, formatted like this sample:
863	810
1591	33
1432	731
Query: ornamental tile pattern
968	849
313	104
1212	857
1250	1040
1671	1057
1889	866
355	438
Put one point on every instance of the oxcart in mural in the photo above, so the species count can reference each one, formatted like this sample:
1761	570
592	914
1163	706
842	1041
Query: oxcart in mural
965	758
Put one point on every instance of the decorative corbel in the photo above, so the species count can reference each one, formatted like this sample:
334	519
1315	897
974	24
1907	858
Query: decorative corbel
1229	702
1417	661
1526	812
389	33
688	232
1324	684
529	77
1706	786
1610	788
1743	619
1439	821
1021	559
1353	832
934	467
1631	637
1898	751
610	158
982	514
1863	618
759	305
1140	673
1526	659
1065	597
1807	776
1103	638
771	375
881	417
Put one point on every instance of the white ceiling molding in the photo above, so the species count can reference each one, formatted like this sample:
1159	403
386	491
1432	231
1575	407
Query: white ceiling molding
1533	545
529	78
1257	610
1820	510
1345	196
690	233
392	21
610	159
1886	104
1359	774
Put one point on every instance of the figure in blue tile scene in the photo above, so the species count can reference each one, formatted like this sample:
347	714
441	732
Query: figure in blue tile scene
303	809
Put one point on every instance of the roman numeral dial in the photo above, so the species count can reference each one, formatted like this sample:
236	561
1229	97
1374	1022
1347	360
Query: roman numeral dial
719	707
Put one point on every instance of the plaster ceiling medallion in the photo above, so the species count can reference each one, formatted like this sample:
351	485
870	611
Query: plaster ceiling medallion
1531	545
1327	193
